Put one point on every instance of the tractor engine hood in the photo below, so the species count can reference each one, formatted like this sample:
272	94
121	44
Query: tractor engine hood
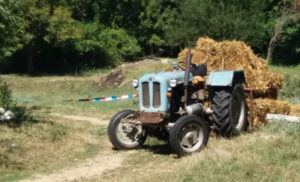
153	89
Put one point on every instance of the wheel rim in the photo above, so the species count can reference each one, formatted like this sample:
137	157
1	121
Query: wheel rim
191	137
127	132
238	111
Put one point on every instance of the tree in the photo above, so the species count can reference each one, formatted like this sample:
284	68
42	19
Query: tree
225	19
49	23
113	44
154	20
289	16
13	25
27	23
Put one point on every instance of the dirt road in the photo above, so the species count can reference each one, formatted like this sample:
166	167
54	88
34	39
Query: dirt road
95	166
91	167
91	120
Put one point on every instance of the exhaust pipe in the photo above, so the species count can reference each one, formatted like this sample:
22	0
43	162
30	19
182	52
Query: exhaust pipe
186	78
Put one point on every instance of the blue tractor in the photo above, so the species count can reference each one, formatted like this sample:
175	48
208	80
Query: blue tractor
182	107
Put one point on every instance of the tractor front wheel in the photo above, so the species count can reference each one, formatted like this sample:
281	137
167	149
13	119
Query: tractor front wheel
189	134
124	132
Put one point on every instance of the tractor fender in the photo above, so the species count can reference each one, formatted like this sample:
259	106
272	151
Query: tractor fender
225	78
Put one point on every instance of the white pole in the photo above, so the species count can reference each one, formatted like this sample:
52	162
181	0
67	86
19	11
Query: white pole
280	117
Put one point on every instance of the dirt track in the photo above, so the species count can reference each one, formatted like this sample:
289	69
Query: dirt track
91	167
95	166
92	120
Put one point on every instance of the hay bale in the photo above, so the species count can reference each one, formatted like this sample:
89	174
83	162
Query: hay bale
233	55
295	110
265	84
263	106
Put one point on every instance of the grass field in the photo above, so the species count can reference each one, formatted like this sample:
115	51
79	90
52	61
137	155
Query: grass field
291	87
66	134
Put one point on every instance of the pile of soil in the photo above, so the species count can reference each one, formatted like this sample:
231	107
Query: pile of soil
113	78
116	77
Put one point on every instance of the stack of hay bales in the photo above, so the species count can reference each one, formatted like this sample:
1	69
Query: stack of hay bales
295	110
263	106
233	55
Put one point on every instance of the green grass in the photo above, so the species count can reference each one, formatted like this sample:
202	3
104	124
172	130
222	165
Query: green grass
12	176
291	87
54	142
46	146
271	154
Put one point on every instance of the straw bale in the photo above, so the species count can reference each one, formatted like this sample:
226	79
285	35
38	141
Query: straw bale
295	110
264	83
183	55
263	106
233	55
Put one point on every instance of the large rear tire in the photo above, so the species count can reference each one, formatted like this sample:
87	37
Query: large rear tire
230	111
123	133
189	134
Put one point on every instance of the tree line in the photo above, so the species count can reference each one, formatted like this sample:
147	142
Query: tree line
59	36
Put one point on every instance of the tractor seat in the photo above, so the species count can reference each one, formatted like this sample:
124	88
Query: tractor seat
199	70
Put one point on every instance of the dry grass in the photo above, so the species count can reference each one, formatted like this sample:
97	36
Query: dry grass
56	142
268	155
48	145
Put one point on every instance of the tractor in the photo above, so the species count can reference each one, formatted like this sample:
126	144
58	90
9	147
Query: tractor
182	107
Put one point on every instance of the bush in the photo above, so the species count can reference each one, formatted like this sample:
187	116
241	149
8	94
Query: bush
118	44
5	95
106	46
6	101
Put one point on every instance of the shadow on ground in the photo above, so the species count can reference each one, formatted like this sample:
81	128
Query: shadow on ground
162	149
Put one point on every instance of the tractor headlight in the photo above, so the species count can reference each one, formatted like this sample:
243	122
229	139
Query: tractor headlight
135	83
173	83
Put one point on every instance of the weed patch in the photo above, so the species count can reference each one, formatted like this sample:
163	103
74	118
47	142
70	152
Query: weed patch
269	154
6	101
291	87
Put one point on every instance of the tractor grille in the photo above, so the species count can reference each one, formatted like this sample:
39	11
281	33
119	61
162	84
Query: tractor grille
156	94
146	96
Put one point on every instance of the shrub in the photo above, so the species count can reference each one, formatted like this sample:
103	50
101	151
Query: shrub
118	44
106	45
6	101
5	95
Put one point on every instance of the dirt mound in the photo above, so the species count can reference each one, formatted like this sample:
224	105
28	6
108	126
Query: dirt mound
233	55
117	76
113	78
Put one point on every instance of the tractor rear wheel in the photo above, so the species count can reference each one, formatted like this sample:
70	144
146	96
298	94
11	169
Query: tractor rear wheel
189	134
230	111
124	133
